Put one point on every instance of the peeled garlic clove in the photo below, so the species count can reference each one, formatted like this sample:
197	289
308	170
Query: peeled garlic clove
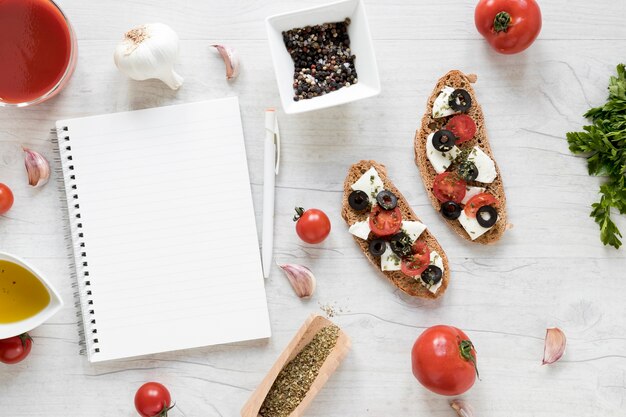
301	279
554	345
149	51
231	60
37	168
462	408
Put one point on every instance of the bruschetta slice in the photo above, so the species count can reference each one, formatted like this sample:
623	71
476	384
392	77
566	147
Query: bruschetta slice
389	233
456	163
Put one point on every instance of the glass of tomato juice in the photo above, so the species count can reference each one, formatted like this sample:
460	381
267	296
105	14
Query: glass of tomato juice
37	51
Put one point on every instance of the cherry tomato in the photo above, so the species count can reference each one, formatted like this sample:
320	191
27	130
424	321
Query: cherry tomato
15	349
385	222
313	225
419	260
444	360
479	200
6	198
448	186
510	26
463	127
153	399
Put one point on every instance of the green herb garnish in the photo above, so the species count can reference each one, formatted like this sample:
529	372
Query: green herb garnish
604	144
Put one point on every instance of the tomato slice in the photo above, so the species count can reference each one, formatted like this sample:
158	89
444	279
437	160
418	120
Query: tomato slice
479	200
416	263
448	186
463	127
385	222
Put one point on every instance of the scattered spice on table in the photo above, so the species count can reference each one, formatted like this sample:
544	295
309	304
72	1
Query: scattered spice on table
295	379
328	309
322	58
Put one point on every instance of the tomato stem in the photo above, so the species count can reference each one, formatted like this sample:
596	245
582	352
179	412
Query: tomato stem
25	337
165	409
299	213
501	22
466	347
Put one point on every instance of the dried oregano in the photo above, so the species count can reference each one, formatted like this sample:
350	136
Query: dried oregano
295	379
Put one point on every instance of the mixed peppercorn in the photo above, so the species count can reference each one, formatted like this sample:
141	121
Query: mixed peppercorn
322	58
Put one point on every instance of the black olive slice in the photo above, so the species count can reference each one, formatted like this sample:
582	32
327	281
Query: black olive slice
387	200
378	247
443	140
358	200
431	275
468	170
460	100
450	210
486	216
401	244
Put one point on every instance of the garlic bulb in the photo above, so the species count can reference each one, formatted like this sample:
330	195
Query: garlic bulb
149	51
37	168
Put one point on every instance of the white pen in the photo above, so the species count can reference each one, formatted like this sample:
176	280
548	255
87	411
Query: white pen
271	161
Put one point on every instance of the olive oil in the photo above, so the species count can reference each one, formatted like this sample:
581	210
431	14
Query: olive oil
22	295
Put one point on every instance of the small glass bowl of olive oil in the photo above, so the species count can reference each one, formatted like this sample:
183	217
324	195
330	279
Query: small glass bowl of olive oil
26	298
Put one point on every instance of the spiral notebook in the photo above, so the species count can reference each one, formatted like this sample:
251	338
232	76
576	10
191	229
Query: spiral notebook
162	229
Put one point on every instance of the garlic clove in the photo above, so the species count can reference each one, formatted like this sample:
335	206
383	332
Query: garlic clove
149	51
37	167
231	60
554	345
301	279
462	408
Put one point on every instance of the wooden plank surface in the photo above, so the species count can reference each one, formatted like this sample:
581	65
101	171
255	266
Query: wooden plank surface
551	269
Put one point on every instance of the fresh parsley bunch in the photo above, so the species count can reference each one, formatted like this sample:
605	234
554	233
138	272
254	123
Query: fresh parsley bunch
604	143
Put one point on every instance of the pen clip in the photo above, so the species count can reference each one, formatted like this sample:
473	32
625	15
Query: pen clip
276	145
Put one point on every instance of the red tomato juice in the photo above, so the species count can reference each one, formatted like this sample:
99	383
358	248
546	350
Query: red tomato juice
36	49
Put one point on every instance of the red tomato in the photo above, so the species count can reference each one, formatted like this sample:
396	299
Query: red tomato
6	198
479	200
416	264
153	399
463	127
448	186
510	26
444	360
313	225
385	222
15	349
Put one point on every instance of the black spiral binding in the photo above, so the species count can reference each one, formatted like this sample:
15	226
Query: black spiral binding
79	266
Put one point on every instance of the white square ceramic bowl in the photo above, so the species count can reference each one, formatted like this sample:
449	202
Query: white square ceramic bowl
13	329
360	43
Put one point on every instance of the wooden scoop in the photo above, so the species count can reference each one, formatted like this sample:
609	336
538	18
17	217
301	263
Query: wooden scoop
306	333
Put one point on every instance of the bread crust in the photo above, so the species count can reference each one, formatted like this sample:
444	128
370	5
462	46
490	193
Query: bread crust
457	79
403	282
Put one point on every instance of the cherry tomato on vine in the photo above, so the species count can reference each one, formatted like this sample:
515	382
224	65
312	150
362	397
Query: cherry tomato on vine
6	198
15	349
312	225
153	400
510	26
444	360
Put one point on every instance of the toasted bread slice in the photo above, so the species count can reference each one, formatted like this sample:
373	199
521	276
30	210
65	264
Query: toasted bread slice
457	79
409	285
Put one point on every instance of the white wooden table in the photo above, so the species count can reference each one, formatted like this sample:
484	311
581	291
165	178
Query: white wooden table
551	269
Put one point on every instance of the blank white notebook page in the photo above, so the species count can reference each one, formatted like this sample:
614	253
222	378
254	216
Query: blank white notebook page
167	222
